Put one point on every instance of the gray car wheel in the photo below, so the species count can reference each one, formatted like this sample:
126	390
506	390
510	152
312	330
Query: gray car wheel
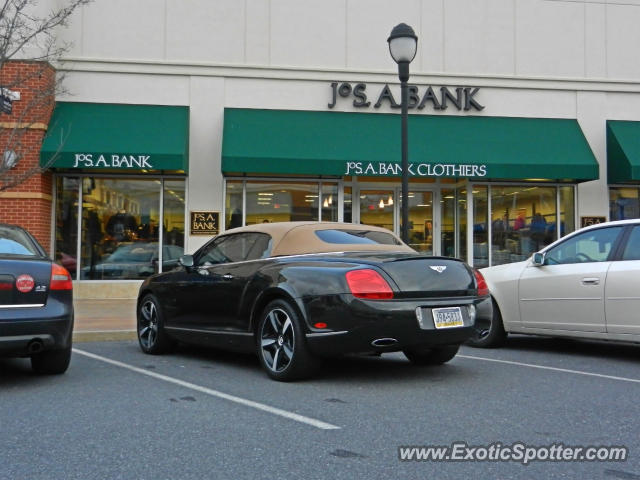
281	343
151	335
489	334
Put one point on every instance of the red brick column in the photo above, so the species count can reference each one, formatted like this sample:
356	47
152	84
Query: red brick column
28	204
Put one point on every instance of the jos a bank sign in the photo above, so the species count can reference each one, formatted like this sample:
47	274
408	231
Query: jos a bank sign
462	98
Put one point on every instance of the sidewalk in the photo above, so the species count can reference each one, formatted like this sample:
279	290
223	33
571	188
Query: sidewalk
104	319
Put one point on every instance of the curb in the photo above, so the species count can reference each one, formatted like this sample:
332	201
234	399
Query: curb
103	335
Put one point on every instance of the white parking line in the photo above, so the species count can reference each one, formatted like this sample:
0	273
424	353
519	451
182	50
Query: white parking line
215	393
556	369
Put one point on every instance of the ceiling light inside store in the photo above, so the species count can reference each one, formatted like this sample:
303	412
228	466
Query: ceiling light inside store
326	203
381	204
390	202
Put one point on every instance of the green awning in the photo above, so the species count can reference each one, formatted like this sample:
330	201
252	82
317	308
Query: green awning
339	143
96	136
623	151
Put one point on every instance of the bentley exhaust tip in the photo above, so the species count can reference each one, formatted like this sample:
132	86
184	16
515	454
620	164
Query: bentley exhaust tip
384	342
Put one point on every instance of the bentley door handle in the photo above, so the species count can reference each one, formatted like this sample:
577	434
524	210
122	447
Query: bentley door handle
591	281
227	276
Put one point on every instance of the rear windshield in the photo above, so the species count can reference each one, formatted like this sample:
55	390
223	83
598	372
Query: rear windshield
364	237
14	241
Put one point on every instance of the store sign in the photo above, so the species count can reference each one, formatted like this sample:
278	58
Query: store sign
89	160
462	98
205	223
588	221
415	169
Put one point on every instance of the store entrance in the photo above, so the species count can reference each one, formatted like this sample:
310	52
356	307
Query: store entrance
381	207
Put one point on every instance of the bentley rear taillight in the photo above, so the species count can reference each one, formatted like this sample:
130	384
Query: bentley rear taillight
369	284
60	278
483	288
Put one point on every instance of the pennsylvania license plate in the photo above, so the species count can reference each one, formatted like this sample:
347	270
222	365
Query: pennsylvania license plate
447	317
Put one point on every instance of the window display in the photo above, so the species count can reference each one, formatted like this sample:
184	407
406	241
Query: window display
279	201
523	221
120	226
624	203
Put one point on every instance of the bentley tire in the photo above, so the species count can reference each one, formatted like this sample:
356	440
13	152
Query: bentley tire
281	344
432	356
150	326
489	334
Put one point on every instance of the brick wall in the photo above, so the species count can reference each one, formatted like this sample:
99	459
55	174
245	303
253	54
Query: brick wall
28	204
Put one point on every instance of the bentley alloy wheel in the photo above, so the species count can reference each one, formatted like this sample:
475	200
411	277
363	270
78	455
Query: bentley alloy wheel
281	343
277	340
151	335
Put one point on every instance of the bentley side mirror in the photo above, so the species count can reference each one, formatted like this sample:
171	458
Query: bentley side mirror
186	261
538	259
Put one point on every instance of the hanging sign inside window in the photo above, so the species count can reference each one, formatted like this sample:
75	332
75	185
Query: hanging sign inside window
205	223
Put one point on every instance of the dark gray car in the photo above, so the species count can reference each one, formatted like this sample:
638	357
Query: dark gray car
36	303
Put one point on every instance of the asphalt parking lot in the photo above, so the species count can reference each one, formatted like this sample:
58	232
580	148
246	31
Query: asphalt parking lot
208	414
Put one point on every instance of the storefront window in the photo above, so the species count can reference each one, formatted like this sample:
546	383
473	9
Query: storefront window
480	227
120	238
523	220
281	202
624	203
329	202
448	221
461	206
348	204
120	226
66	235
173	223
454	222
567	210
233	204
421	221
376	208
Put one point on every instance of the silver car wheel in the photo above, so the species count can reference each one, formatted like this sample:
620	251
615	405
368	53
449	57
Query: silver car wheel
148	329
277	340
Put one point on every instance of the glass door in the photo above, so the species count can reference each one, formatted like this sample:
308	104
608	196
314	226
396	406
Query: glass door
381	207
421	224
453	208
377	208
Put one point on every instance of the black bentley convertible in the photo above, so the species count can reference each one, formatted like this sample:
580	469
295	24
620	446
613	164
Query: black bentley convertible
295	292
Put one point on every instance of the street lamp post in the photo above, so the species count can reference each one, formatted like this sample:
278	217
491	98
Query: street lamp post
403	44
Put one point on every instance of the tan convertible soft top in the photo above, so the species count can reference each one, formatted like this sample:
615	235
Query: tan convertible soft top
296	238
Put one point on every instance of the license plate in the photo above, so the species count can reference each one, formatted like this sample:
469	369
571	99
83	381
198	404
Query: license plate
449	317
